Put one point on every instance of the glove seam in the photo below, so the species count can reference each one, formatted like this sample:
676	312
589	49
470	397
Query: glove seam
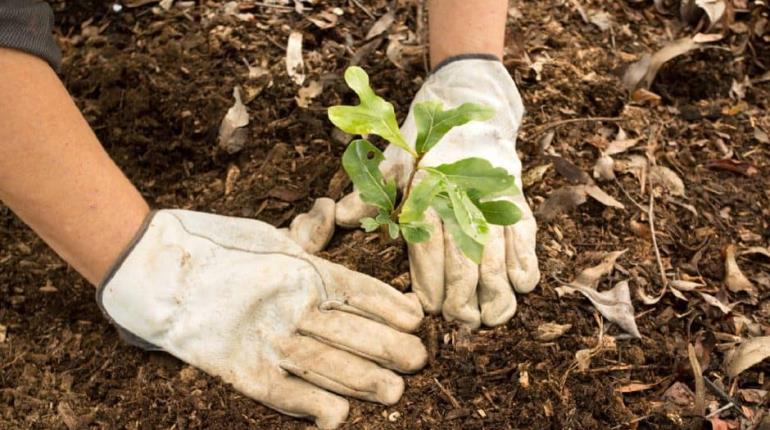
461	57
126	335
297	370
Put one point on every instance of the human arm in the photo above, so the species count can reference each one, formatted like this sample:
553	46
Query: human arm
231	296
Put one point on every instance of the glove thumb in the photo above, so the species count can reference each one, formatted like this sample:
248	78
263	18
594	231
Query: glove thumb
350	209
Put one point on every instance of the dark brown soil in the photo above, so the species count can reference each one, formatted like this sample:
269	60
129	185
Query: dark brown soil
156	86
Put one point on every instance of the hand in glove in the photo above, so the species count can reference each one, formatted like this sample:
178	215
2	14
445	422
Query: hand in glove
443	278
239	300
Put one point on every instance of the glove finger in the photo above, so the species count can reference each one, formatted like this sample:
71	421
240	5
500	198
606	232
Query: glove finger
313	230
370	298
295	397
521	260
461	277
350	209
340	371
366	338
426	264
496	298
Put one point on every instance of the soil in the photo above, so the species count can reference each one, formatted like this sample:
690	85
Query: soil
155	85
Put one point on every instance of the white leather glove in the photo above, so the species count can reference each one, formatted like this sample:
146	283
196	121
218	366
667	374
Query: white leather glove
239	300
443	278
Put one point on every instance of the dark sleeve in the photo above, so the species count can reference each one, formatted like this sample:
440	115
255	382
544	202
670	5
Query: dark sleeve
27	25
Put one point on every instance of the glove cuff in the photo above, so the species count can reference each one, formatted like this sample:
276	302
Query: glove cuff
126	335
469	56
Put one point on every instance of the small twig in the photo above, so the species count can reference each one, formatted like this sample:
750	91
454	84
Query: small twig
273	6
700	389
363	8
623	367
720	410
651	220
628	424
539	129
641	208
447	393
723	396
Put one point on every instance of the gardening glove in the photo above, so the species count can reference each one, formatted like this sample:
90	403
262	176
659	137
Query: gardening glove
444	279
239	300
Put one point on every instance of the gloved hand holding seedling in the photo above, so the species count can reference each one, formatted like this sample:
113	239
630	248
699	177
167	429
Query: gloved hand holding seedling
455	164
465	194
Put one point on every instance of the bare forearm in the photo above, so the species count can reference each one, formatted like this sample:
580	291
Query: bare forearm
466	27
55	175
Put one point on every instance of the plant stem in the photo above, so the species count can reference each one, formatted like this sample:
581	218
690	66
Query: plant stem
397	211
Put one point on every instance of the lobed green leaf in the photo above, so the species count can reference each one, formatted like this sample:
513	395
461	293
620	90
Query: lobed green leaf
433	122
373	115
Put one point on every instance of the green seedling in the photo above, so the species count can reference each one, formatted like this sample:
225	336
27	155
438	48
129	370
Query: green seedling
465	194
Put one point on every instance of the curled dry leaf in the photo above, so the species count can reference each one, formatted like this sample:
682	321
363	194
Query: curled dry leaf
583	359
381	25
324	20
742	167
642	73
232	135
749	353
715	9
713	301
615	305
757	250
682	285
313	230
295	66
735	280
668	179
550	331
589	278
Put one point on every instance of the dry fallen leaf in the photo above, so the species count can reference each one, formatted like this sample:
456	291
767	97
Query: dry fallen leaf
307	93
549	331
715	9
713	301
601	19
3	333
534	175
761	136
748	353
324	20
589	278
295	66
743	167
668	179
568	198
381	25
757	250
679	394
233	173
682	285
313	230
735	280
561	200
642	73
615	305
604	169
583	359
634	387
232	134
599	195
